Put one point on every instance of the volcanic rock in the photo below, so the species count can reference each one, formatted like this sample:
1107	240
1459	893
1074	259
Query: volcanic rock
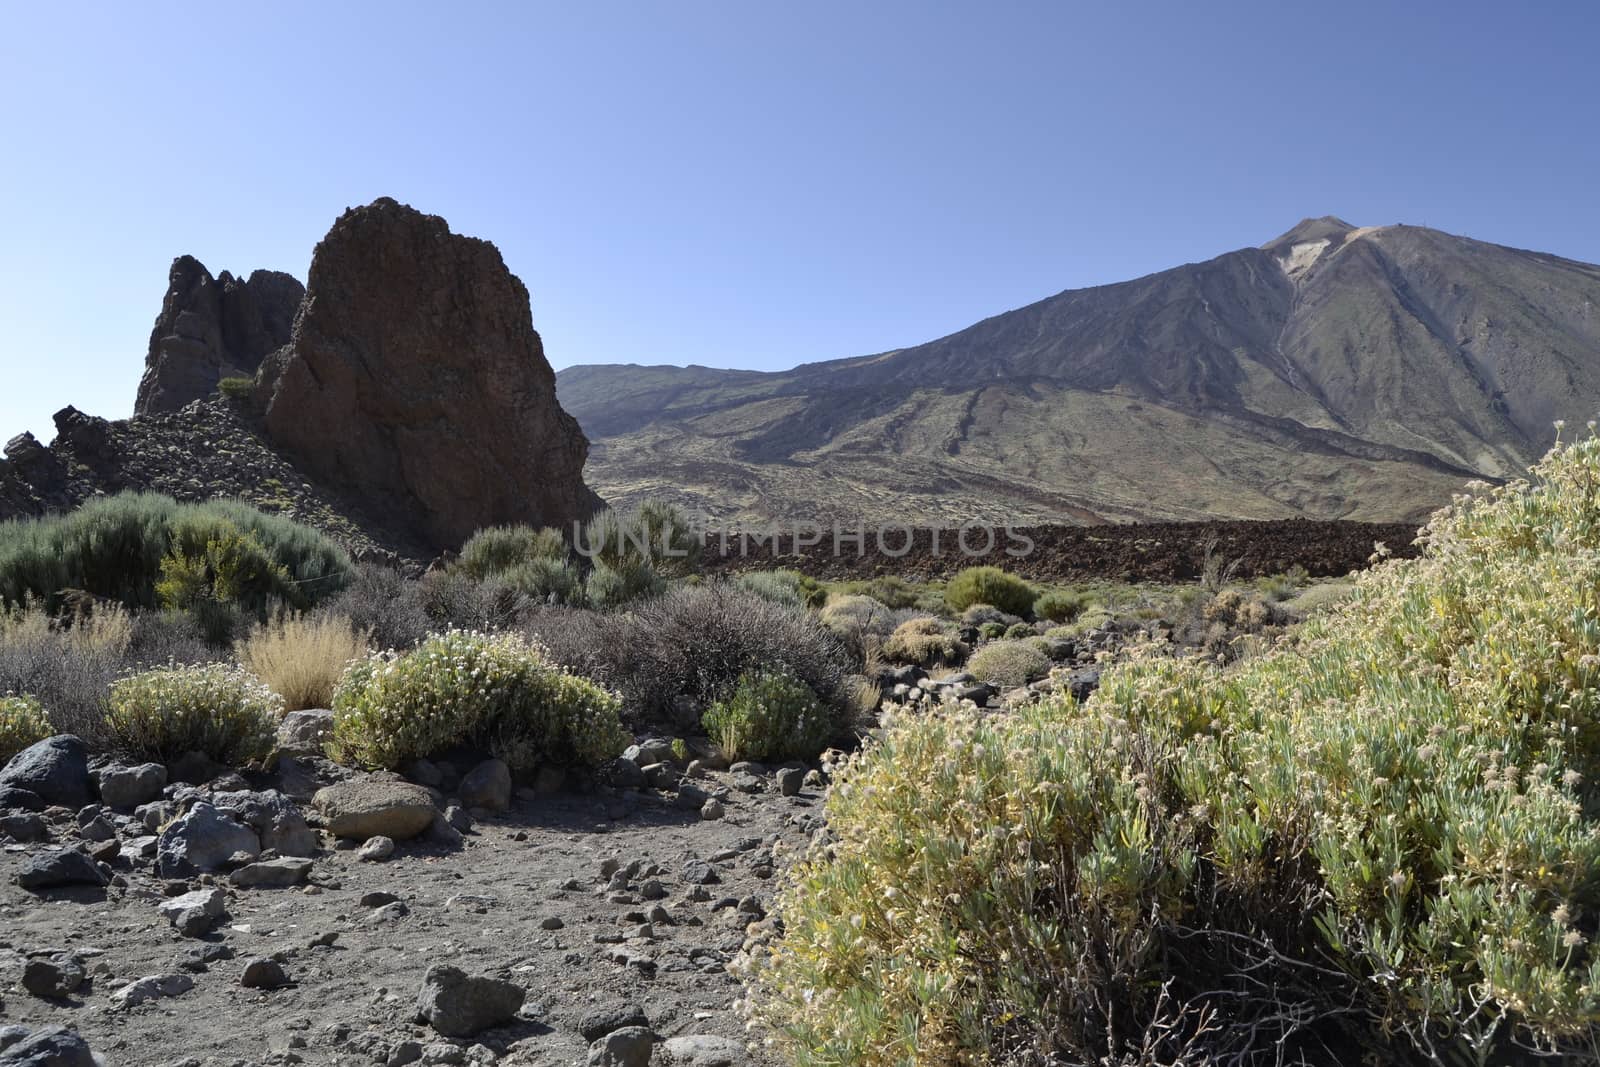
55	769
416	382
213	328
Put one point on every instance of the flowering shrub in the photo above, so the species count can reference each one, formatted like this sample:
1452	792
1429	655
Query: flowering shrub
923	641
22	723
1378	837
497	690
770	716
214	708
1009	663
989	585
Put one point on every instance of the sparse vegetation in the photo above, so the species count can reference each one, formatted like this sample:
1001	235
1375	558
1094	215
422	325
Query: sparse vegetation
771	717
498	691
217	709
1387	821
498	549
1009	663
22	722
301	658
923	642
1059	605
990	585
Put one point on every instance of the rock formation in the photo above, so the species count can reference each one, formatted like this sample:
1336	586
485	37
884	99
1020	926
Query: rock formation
416	382
213	328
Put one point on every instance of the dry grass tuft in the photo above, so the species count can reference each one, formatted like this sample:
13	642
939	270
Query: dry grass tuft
301	658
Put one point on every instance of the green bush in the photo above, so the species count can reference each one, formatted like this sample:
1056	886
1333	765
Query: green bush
894	591
609	587
546	581
989	585
495	691
991	631
22	723
784	587
218	709
1009	663
1387	824
1018	631
923	642
237	388
498	549
114	547
770	716
655	534
1058	605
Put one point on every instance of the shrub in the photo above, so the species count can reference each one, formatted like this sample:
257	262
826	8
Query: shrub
215	571
68	664
894	591
301	658
1009	663
546	581
217	709
114	548
237	388
22	723
989	585
496	691
854	615
671	656
923	642
1017	631
497	549
611	587
1059	605
770	717
380	602
656	534
785	587
1387	824
991	631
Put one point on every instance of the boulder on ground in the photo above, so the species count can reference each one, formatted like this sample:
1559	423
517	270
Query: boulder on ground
14	799
272	874
59	867
629	1046
56	770
204	839
274	817
487	786
302	733
53	977
457	1004
54	1046
194	914
705	1050
151	987
371	807
128	787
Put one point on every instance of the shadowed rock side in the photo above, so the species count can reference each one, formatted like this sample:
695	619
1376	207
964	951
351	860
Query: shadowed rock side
213	328
1336	372
416	382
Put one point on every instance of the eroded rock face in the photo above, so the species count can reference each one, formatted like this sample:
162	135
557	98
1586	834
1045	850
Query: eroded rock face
213	328
416	381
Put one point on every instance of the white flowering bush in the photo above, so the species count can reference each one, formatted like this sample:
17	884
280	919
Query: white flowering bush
215	708
22	722
1378	839
497	690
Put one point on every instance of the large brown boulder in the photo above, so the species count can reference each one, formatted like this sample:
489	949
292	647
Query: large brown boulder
416	382
213	328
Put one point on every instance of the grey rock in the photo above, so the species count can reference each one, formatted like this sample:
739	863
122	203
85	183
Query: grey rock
699	872
712	809
790	780
199	958
204	839
54	976
13	798
457	1004
55	769
630	1046
99	828
370	807
264	973
194	914
375	849
598	1022
303	733
487	786
60	867
151	987
442	832
274	817
128	787
23	826
54	1046
272	874
625	773
705	1050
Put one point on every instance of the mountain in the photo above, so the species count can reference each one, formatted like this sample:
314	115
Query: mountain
1334	372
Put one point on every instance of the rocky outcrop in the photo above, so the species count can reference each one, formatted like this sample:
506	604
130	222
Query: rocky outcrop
213	328
416	382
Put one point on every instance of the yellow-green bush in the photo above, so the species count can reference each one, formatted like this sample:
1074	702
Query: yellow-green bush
1386	824
989	585
22	723
218	709
497	549
1009	663
923	642
1059	605
495	690
302	658
770	716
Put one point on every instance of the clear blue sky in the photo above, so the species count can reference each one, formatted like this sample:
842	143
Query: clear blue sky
754	184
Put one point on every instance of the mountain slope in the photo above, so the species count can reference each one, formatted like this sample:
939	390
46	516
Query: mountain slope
1335	372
